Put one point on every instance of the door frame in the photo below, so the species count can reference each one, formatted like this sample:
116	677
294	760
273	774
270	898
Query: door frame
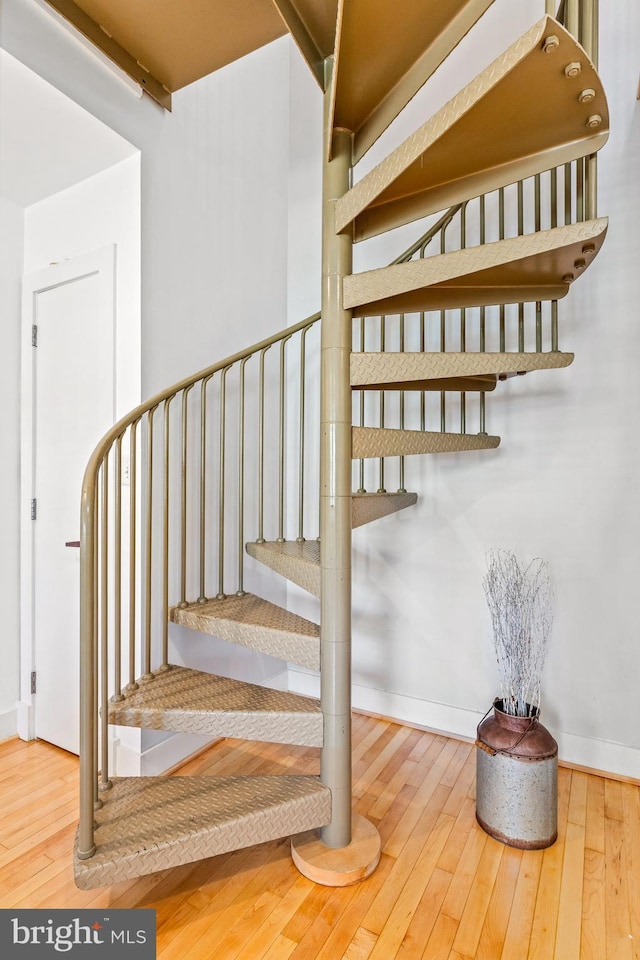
101	262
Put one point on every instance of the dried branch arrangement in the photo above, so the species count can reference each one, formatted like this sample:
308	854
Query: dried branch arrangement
520	601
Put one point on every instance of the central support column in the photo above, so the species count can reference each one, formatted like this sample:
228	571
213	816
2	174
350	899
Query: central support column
349	848
335	497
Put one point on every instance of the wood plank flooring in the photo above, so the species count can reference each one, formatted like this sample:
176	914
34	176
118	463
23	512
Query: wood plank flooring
444	890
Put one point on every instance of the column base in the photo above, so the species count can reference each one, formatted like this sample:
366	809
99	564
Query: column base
338	867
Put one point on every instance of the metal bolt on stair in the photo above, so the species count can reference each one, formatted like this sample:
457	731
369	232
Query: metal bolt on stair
573	69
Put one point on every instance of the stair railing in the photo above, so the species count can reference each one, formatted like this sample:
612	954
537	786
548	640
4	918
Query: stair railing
166	501
167	505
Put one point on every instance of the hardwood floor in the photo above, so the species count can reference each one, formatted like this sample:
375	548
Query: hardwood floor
444	890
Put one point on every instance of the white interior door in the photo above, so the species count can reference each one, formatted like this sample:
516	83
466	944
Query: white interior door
73	405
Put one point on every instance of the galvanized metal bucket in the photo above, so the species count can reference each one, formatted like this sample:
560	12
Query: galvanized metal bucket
517	780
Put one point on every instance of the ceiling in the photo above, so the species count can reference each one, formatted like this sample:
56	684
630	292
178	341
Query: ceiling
47	142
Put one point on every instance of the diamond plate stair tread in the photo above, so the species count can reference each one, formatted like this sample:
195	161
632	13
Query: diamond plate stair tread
367	507
190	701
383	59
382	368
298	562
258	624
383	442
155	823
519	269
519	117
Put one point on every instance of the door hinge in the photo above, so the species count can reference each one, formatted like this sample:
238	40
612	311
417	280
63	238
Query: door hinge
34	335
33	682
34	509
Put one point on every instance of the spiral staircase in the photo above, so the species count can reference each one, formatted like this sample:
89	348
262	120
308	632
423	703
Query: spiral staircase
213	473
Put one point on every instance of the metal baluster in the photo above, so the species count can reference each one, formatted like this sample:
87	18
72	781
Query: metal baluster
503	325
260	538
117	695
281	433
223	401
301	451
132	554
463	321
401	487
361	488
105	783
554	196
97	802
146	662
520	233
537	226
443	347
423	393
591	16
483	316
567	193
571	18
202	596
165	536
88	640
240	592
183	499
381	487
554	325
580	189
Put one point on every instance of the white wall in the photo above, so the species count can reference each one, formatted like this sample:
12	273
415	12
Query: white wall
103	209
563	484
11	258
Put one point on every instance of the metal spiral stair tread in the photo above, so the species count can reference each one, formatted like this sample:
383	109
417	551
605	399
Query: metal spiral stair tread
412	370
155	823
296	561
369	90
253	622
535	266
190	701
367	507
374	442
522	115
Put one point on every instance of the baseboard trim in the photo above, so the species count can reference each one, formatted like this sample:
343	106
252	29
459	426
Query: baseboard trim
605	758
24	720
8	724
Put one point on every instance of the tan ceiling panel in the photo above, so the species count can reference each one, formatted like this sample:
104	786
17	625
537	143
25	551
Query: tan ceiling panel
179	41
386	52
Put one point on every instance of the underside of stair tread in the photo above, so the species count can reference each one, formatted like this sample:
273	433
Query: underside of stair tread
474	384
411	370
155	823
520	116
178	41
536	266
382	59
382	442
255	623
367	507
190	701
297	561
